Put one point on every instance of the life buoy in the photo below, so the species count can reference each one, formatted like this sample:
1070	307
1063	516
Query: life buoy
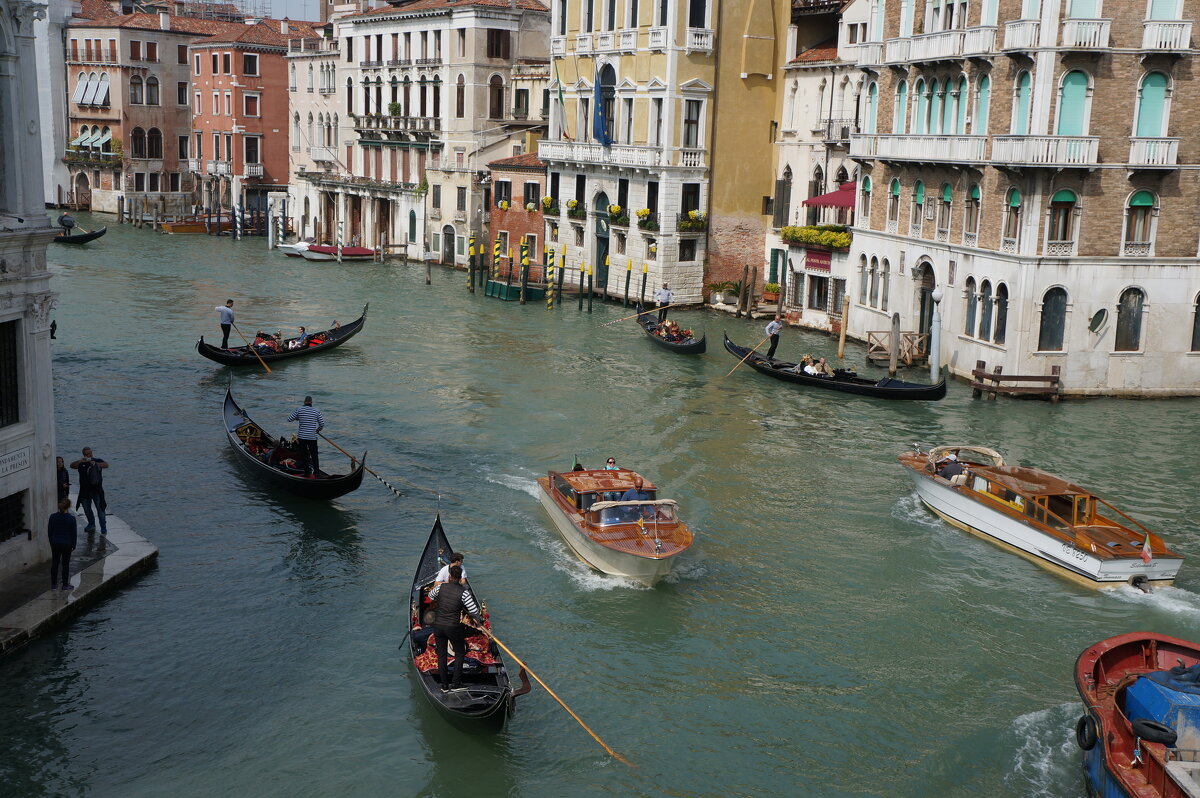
1154	732
1085	733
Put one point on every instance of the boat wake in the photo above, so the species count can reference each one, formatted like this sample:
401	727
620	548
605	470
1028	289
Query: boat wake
525	484
910	508
1169	599
584	577
1045	757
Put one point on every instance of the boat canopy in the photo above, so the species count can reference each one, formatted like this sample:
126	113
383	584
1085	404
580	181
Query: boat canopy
652	502
974	454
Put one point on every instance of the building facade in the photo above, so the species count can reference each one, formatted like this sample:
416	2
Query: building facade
518	216
27	445
313	101
50	35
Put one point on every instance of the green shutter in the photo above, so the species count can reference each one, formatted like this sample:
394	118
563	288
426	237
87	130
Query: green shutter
1142	199
1064	195
1072	101
919	193
901	108
975	192
982	100
1083	9
947	193
935	108
872	107
1152	102
1164	9
919	119
866	185
960	124
1020	124
895	188
1014	198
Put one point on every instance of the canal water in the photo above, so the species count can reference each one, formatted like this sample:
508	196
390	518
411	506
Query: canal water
824	636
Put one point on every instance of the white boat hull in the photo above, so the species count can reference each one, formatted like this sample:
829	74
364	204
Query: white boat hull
957	507
293	250
646	570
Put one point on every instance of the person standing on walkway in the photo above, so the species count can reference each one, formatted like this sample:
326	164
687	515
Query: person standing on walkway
311	423
63	477
662	298
226	312
772	329
91	489
453	599
63	534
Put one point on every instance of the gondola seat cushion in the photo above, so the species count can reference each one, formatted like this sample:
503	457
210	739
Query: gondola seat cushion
478	649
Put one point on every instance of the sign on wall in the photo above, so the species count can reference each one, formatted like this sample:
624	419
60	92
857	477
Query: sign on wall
12	462
817	260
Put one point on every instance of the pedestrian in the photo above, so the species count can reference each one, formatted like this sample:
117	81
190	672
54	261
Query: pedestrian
311	423
91	489
663	297
63	533
772	329
226	312
453	599
64	478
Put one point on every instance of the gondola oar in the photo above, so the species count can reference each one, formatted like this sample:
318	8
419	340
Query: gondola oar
366	468
252	349
635	315
538	679
748	354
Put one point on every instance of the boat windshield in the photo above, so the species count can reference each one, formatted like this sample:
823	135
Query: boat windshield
629	512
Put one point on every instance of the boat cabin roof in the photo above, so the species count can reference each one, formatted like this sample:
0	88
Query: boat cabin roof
1030	481
600	480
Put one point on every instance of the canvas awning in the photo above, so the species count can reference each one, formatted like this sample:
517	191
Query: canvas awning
90	141
78	139
842	198
103	139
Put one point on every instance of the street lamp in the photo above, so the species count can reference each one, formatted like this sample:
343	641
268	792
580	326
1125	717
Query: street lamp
935	337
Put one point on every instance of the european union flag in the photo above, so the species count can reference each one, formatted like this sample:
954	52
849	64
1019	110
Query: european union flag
599	120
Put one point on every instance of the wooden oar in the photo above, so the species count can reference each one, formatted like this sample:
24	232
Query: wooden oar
386	484
538	679
252	349
635	315
748	354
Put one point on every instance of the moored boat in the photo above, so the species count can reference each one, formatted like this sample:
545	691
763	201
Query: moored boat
488	698
1041	517
278	462
640	540
79	238
294	249
284	350
324	252
843	381
1140	731
687	345
194	225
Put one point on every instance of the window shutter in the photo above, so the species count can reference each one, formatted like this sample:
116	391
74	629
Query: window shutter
783	192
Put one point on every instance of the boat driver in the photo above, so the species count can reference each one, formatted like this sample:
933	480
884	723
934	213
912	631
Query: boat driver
950	467
637	494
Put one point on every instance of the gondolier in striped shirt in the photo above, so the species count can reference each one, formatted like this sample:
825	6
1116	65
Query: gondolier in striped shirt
226	312
311	423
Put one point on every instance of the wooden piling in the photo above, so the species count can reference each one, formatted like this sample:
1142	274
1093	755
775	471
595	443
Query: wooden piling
845	324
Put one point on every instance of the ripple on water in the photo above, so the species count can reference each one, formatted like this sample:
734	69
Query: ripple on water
1046	758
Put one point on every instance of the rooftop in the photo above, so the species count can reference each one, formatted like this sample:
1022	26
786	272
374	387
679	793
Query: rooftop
416	6
825	51
526	160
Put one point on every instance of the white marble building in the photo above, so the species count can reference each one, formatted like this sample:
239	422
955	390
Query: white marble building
52	88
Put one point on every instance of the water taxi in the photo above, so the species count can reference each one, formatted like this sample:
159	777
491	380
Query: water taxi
1042	518
639	539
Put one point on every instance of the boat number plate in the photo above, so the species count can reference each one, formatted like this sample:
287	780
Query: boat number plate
1071	551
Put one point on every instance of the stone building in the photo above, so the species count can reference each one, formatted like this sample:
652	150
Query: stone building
49	36
517	216
27	446
313	101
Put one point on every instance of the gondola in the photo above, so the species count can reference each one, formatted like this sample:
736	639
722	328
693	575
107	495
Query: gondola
488	697
692	346
268	458
242	356
846	382
79	238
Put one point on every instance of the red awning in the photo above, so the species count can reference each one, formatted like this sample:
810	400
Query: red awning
842	198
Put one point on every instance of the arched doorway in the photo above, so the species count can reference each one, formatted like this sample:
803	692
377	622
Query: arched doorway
600	204
925	285
83	192
328	218
304	221
448	244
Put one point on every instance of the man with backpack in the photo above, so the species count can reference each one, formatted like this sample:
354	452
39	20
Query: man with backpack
91	489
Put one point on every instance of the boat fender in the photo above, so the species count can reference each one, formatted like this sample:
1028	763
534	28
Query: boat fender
1085	733
1141	583
1154	732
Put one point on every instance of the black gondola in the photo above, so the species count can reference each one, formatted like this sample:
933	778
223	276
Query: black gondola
487	699
846	382
691	346
253	444
242	356
79	238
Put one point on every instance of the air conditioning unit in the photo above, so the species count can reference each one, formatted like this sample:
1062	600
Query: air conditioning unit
929	211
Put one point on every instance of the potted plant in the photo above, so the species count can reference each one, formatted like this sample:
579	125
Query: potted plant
720	292
503	205
771	292
394	109
549	205
574	211
693	221
646	220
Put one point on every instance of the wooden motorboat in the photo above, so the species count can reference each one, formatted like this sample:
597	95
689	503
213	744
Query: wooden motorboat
193	225
79	238
1041	517
323	252
288	348
488	698
688	346
278	462
640	540
1140	731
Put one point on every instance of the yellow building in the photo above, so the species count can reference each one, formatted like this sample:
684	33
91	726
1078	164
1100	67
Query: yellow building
661	122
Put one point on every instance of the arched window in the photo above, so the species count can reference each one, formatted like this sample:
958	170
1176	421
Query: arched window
137	143
865	202
350	96
943	219
1073	104
292	77
901	114
874	282
1012	220
918	207
985	310
154	143
379	109
80	88
335	130
983	98
496	97
872	107
971	218
1196	325
960	105
1152	107
412	225
862	279
136	90
460	97
151	90
893	216
1054	320
310	77
972	300
1001	314
366	87
1129	320
1022	97
395	84
921	100
309	126
934	125
296	131
884	278
437	97
406	96
1139	224
1060	233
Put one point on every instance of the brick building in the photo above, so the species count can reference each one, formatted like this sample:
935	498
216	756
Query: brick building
518	185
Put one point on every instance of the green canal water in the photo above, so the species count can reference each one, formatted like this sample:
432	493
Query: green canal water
825	636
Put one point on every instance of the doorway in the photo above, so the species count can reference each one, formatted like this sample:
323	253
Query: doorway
448	245
925	283
83	193
601	252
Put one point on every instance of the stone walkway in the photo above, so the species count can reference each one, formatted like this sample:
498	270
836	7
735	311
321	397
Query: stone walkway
28	608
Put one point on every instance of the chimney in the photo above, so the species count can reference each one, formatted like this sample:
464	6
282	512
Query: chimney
283	26
164	20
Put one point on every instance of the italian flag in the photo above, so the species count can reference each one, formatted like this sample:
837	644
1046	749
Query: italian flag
1146	555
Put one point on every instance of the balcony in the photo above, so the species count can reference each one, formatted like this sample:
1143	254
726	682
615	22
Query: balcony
870	54
312	45
399	62
399	124
429	62
690	158
628	41
658	39
979	41
1060	151
322	154
1166	36
606	42
194	164
897	50
218	167
586	152
699	40
1086	34
837	132
1021	34
1154	153
583	43
924	149
558	45
942	46
327	90
370	64
91	57
254	170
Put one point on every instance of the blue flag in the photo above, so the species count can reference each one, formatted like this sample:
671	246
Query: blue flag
599	122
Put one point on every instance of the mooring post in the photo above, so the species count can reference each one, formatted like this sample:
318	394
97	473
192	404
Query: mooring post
894	345
589	289
628	274
845	324
980	367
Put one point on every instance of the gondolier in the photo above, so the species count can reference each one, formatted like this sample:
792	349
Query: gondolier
66	222
453	599
663	298
311	423
772	329
226	312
